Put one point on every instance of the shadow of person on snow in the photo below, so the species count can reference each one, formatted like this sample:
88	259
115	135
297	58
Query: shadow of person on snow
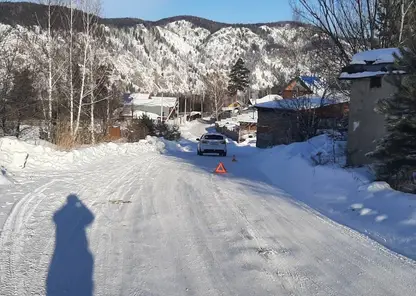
71	268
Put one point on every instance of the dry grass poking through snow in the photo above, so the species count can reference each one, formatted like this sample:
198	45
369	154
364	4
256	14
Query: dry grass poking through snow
65	141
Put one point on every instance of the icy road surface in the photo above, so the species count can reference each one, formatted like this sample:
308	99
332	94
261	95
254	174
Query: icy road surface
164	225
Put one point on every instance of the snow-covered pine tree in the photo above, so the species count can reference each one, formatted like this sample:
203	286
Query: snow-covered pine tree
395	154
238	78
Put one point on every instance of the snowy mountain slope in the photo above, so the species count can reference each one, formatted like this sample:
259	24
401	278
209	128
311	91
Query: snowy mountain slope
172	55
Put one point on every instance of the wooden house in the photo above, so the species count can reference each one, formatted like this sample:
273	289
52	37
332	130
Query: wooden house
302	86
278	121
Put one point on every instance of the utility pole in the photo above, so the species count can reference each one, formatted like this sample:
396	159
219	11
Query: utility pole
202	102
185	109
161	108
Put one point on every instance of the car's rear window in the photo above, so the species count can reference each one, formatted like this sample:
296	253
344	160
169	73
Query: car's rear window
214	137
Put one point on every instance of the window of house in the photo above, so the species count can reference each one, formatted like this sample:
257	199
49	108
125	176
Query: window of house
375	82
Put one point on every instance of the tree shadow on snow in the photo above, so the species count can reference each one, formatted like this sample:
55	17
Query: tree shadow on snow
71	268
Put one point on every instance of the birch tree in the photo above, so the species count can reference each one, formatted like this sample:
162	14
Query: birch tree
52	5
71	71
216	86
91	9
395	20
49	48
8	53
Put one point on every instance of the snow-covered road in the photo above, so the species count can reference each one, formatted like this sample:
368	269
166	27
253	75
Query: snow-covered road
164	225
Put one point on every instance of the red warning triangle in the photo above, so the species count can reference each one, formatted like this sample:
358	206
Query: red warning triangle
220	169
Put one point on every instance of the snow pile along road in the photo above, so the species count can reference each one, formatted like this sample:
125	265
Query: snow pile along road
348	197
4	180
16	154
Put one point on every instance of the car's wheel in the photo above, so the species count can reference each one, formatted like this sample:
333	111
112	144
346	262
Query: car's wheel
224	153
199	152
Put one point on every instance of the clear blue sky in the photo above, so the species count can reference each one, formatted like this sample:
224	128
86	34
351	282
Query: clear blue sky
229	11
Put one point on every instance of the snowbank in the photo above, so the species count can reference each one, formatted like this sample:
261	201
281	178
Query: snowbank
191	130
346	196
4	180
16	154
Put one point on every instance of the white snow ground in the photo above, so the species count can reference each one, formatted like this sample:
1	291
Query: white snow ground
152	223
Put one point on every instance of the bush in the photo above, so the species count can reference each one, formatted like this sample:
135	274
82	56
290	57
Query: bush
149	124
137	131
168	132
144	126
62	137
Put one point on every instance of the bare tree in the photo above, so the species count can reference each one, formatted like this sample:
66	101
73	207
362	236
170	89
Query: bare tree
91	9
405	7
354	26
71	70
50	50
7	59
302	114
395	21
350	24
216	86
406	12
304	109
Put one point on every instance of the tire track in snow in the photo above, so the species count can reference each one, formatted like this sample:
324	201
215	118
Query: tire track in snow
13	237
248	233
17	232
108	247
187	232
271	250
98	201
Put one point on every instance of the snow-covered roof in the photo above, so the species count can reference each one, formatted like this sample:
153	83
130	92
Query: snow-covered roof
165	101
250	117
315	84
311	81
144	99
366	64
303	103
268	98
132	98
366	74
375	56
141	100
129	99
138	114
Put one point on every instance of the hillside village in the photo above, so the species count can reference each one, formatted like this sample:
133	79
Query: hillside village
274	119
103	186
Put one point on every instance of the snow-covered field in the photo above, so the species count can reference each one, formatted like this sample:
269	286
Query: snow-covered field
152	219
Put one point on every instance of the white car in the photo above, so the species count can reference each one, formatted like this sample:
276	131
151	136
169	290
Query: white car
212	143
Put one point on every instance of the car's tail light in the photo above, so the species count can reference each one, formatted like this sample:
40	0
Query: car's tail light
204	142
223	142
